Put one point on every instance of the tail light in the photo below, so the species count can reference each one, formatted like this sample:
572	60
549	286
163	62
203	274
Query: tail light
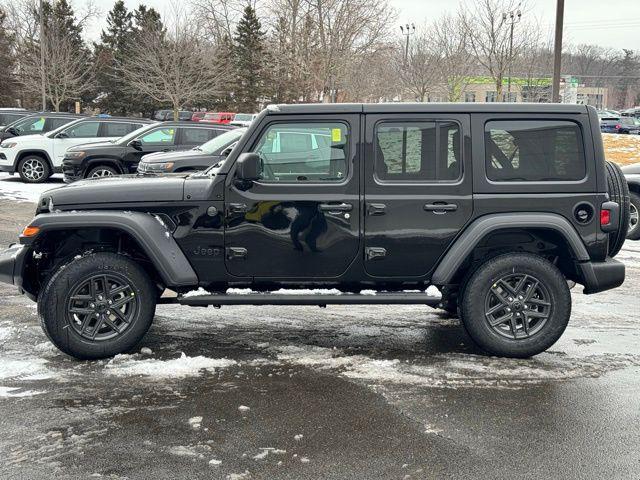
609	217
618	127
605	217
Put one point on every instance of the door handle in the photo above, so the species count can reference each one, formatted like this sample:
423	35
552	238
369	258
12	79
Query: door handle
376	209
237	208
236	252
440	208
375	253
335	207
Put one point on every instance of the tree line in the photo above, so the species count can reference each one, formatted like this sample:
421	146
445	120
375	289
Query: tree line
239	55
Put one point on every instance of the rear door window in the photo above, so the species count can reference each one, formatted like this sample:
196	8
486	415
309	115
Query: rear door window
55	123
197	136
534	151
418	151
118	129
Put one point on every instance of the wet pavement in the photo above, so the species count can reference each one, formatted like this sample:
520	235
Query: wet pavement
354	392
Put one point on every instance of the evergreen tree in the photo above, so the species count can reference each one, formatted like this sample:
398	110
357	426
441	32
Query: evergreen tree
112	95
224	62
629	69
250	64
7	80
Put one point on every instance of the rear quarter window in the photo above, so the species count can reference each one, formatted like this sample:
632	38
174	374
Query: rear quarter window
534	151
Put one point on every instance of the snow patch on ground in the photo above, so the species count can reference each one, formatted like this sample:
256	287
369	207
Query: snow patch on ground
12	188
454	370
17	368
16	392
184	366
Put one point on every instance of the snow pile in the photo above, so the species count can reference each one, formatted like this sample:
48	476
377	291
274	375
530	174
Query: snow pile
455	370
184	366
12	188
195	422
11	392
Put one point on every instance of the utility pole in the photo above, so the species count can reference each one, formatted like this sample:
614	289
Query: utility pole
407	30
512	18
42	41
557	52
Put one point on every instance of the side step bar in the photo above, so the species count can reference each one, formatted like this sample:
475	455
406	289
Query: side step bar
321	300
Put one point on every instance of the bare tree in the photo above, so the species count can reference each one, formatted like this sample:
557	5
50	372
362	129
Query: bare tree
172	66
454	59
418	70
489	37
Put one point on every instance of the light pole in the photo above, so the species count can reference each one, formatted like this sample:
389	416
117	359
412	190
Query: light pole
407	30
511	18
557	52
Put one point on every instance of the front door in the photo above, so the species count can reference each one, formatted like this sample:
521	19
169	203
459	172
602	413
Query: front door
77	134
418	190
301	219
161	139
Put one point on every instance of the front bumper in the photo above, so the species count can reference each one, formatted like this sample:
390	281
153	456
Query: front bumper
601	276
11	263
71	171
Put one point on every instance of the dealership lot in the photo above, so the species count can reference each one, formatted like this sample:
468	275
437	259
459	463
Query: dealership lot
303	392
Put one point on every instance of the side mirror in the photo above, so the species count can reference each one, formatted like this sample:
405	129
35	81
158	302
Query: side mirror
62	135
137	144
249	167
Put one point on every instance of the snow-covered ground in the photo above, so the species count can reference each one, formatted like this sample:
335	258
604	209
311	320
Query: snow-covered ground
12	188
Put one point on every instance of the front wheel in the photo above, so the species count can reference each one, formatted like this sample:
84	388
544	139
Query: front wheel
633	233
97	306
516	305
34	169
102	171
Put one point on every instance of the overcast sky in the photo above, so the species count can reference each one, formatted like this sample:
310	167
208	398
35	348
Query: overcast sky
603	22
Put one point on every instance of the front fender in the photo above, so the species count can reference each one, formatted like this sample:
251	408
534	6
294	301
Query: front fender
149	231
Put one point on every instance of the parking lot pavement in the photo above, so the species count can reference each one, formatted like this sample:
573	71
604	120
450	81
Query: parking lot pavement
305	393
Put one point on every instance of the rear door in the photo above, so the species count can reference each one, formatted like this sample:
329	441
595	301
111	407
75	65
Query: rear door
189	137
301	219
418	190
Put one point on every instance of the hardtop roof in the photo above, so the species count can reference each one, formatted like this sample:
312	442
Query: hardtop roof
328	108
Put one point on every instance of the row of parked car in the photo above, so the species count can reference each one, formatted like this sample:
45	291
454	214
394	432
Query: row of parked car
626	122
224	118
37	146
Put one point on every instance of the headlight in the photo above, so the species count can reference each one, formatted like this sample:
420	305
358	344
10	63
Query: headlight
75	154
158	167
8	144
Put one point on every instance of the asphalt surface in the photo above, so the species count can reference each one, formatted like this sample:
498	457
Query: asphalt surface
307	393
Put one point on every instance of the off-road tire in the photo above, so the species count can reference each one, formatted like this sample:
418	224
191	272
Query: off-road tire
619	193
102	168
54	303
473	305
633	233
34	169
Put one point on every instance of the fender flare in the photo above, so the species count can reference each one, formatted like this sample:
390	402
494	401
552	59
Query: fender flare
150	233
111	162
32	151
478	229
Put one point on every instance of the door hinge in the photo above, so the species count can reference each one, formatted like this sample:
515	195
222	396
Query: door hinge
375	253
236	253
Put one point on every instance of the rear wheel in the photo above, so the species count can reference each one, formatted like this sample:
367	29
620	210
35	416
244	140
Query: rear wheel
34	169
97	306
102	171
619	193
634	216
516	305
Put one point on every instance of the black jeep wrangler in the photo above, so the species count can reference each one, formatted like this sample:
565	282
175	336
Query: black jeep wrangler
500	206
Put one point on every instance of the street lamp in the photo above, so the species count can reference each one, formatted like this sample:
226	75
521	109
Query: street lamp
511	18
407	30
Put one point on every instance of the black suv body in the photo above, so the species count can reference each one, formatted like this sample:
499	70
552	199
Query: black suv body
123	155
199	158
37	123
497	205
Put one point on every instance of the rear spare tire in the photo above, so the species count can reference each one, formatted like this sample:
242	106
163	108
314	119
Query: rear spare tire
619	193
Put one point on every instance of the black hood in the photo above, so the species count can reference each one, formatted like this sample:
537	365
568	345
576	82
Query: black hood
633	169
120	189
161	157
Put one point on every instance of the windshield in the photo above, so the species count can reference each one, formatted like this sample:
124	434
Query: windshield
130	136
215	145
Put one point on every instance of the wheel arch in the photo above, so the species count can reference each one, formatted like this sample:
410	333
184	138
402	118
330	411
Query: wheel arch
97	161
34	151
545	232
148	234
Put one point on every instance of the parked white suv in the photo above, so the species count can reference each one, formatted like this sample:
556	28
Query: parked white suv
37	157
